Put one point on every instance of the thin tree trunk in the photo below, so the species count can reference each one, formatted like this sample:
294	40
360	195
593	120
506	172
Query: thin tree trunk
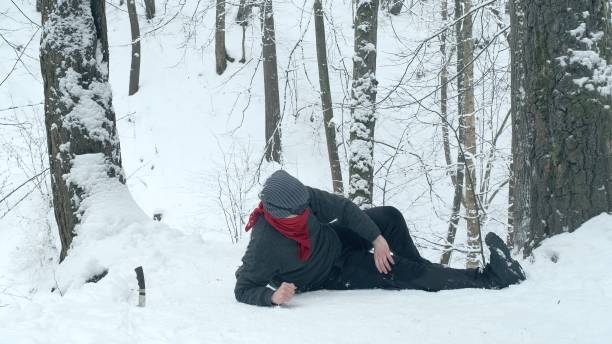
273	119
221	62
74	33
135	29
38	5
242	18
444	94
363	105
517	204
471	204
326	101
149	8
457	175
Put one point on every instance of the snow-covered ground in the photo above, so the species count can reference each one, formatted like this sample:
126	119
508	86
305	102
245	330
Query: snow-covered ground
179	133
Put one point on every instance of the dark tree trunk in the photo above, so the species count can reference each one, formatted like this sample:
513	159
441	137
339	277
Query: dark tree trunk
149	8
562	170
242	18
72	34
220	60
273	119
363	105
394	6
221	56
38	5
326	101
135	29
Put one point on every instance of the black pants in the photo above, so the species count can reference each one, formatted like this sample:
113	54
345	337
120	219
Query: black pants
356	268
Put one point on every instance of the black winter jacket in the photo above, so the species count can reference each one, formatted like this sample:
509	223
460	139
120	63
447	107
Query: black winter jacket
271	258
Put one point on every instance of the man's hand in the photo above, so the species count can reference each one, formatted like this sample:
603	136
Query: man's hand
284	293
382	255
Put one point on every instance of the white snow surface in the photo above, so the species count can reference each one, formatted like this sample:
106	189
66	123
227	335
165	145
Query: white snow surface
178	134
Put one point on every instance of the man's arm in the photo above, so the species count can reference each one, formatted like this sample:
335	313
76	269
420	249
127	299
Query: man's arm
257	270
328	207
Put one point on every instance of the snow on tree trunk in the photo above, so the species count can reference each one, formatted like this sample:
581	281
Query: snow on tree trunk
363	109
563	123
273	120
79	117
326	101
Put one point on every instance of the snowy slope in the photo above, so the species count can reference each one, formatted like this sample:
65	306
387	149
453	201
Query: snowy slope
178	135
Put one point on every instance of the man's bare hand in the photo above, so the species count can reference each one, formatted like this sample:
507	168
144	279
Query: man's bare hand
284	293
382	255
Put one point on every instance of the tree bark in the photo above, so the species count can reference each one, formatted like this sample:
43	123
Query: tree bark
220	53
273	119
457	175
563	119
363	105
518	150
471	204
394	6
242	18
135	29
326	101
79	118
149	9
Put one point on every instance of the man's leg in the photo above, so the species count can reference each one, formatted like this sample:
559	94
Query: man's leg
359	272
393	228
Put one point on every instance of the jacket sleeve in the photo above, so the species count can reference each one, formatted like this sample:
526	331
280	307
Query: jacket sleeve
254	275
328	207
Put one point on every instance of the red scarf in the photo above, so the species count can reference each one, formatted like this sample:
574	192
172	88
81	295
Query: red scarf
294	228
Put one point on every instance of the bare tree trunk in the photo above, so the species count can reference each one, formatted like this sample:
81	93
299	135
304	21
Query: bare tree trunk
273	119
326	101
242	18
444	94
457	175
221	62
38	5
363	105
149	8
516	107
74	35
471	205
562	170
135	29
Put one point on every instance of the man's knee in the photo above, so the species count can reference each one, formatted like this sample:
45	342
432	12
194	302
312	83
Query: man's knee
392	212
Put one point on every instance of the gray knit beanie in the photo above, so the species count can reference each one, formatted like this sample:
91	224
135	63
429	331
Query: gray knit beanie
283	195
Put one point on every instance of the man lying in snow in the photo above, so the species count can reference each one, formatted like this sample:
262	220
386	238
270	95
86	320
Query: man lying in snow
306	239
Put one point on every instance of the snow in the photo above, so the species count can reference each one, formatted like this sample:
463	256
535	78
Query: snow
188	147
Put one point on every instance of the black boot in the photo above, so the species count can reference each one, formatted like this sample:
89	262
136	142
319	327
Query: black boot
502	269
